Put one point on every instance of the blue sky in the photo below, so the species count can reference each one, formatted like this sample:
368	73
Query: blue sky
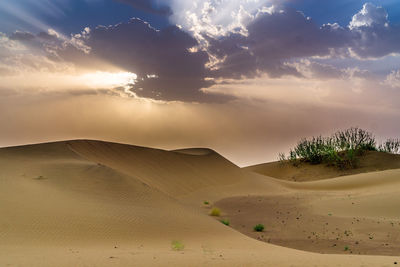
69	16
341	11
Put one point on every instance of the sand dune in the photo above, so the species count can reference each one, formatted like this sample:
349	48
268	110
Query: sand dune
370	162
174	173
92	203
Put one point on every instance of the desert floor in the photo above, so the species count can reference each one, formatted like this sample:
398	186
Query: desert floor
92	203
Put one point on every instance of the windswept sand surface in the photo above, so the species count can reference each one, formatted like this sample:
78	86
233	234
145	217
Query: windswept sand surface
91	203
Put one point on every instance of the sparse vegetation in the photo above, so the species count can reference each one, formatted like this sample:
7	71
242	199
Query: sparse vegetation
215	212
177	245
390	146
259	228
346	248
206	203
225	221
342	149
281	157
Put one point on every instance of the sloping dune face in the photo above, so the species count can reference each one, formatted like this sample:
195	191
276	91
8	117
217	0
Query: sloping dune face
174	173
49	194
90	203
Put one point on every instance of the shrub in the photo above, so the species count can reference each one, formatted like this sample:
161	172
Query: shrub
341	149
293	158
259	228
177	245
390	146
226	222
281	158
354	138
206	203
215	212
346	248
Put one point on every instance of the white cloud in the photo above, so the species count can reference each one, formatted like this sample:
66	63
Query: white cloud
368	16
216	17
393	79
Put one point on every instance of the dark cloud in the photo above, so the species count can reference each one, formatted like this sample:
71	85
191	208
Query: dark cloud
166	69
272	39
22	36
275	38
148	6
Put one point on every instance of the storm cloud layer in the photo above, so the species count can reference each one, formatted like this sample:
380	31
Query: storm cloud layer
171	62
181	62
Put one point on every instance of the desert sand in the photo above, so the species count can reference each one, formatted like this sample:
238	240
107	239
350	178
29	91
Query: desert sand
92	203
370	162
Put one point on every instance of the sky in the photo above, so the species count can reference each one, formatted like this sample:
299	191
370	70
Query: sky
247	78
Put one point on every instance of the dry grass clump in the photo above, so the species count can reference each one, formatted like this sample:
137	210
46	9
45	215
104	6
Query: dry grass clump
177	245
215	212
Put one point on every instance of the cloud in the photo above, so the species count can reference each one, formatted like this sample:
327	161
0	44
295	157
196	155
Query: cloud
393	79
162	60
315	70
273	38
369	16
22	36
23	52
217	40
373	35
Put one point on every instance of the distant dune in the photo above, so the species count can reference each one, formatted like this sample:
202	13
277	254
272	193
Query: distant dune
370	162
93	203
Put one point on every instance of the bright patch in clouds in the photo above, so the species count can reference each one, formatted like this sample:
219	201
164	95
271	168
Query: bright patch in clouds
100	79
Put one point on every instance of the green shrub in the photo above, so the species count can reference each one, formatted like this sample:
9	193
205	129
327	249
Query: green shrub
346	248
259	228
215	212
225	221
177	245
354	138
206	203
342	149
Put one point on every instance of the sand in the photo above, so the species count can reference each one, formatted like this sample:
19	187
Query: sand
370	162
91	203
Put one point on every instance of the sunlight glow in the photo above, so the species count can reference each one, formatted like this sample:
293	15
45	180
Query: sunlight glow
101	79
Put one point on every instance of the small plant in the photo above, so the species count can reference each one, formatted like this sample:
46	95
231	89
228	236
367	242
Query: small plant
215	212
177	245
259	228
226	222
346	248
206	203
281	158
